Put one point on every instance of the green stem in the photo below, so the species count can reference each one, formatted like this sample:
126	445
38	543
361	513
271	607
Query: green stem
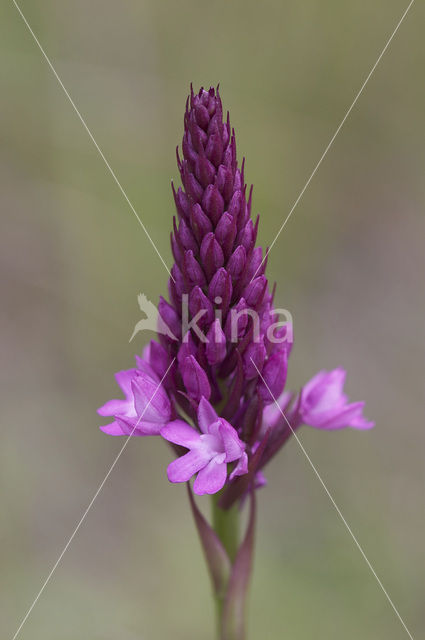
226	525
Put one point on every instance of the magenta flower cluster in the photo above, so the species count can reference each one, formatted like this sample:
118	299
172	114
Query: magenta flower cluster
216	391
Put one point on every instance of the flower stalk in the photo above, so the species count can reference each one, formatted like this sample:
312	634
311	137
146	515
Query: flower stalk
226	525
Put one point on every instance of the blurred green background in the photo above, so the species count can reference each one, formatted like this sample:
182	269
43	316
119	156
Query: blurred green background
349	265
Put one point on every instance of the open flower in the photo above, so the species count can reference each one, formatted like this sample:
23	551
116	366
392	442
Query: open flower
324	405
209	451
146	406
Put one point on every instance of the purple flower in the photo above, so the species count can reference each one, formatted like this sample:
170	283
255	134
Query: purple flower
219	333
146	407
324	405
209	451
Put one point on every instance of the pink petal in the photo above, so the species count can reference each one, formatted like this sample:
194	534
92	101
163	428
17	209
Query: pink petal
233	446
349	416
143	365
121	407
151	400
116	408
146	428
324	392
113	429
132	427
206	415
360	422
182	469
211	478
339	418
181	433
124	379
241	468
146	352
315	381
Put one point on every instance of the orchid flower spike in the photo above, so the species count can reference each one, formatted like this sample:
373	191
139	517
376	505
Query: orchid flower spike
224	354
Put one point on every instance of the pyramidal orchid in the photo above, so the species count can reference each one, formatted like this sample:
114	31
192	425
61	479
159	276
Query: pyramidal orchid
213	383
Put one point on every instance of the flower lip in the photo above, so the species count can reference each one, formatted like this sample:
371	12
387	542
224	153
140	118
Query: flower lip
209	451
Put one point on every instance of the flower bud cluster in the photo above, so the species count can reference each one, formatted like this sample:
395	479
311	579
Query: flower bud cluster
219	271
